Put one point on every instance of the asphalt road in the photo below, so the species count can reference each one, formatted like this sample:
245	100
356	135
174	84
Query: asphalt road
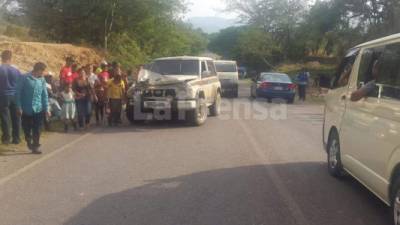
242	170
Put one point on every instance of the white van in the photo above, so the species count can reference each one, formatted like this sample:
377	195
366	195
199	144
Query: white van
228	75
362	119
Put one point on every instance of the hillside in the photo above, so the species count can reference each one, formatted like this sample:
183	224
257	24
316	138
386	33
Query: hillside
28	53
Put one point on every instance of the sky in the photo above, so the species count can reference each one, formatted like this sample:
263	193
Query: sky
207	8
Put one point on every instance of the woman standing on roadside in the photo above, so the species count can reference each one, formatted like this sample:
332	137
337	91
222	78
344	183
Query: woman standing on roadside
83	93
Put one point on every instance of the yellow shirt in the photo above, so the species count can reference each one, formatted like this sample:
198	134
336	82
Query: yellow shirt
115	91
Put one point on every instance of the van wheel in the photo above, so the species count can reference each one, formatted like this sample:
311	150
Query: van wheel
236	93
215	109
335	166
198	116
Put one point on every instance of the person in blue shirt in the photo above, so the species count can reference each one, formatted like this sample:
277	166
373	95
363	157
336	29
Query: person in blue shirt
302	82
33	105
9	76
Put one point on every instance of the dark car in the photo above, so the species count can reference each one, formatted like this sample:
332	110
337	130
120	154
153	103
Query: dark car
274	86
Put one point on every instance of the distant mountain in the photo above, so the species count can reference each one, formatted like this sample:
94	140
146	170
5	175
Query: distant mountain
211	24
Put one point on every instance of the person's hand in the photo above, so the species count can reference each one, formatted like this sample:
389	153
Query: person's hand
48	114
19	112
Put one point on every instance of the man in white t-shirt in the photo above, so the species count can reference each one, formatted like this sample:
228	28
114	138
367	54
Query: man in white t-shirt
92	77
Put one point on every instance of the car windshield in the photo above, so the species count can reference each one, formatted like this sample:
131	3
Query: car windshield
275	78
226	67
176	67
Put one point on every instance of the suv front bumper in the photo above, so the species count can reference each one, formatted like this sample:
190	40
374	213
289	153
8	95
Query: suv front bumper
145	105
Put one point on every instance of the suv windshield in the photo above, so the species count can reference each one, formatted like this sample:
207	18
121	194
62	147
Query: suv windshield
176	67
225	67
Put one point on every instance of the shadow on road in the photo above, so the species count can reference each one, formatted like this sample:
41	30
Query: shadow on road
240	196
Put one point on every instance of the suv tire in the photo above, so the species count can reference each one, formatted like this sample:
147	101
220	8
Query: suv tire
335	166
395	201
215	109
198	116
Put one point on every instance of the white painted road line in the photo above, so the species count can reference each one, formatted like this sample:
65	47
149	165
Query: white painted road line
46	157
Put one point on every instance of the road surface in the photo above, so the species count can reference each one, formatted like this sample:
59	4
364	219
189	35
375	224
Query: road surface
241	170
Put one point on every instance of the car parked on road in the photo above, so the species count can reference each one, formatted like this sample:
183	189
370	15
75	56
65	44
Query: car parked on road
228	75
273	85
185	88
362	119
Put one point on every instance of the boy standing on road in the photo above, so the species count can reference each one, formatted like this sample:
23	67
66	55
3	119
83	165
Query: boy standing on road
9	77
32	105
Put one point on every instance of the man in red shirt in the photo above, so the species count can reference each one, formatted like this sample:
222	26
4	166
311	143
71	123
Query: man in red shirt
66	75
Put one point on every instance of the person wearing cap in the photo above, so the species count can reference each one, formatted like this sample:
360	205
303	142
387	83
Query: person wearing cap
32	105
104	72
9	77
98	69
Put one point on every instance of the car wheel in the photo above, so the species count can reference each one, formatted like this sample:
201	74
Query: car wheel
215	109
198	116
335	166
395	202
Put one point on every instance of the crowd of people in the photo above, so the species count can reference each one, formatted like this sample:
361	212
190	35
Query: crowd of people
33	99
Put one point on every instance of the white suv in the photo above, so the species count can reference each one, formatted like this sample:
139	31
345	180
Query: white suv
362	119
184	88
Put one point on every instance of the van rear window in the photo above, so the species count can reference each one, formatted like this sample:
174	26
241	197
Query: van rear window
226	67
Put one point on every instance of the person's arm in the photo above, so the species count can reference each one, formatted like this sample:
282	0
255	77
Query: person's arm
363	92
123	87
19	93
45	98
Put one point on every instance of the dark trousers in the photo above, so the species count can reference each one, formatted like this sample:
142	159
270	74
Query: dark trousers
8	113
100	111
83	109
115	111
32	125
302	92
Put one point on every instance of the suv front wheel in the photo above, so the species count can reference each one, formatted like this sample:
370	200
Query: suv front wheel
215	109
198	116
